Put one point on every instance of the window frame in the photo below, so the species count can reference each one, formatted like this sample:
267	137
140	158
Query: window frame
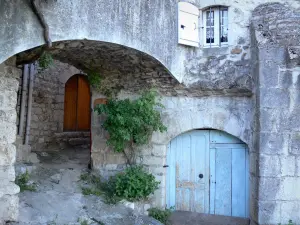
217	26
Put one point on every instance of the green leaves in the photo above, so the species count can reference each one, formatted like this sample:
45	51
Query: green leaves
94	79
160	215
132	120
23	182
45	61
135	184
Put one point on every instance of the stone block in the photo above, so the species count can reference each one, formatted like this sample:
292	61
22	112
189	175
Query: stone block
285	79
269	212
7	154
153	160
114	158
159	150
268	188
273	143
295	144
97	160
288	165
158	170
8	132
269	166
268	72
290	211
9	189
274	98
277	55
297	167
9	210
269	120
113	167
7	173
291	121
289	189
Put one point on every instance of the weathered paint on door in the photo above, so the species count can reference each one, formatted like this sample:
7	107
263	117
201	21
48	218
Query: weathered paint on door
222	162
77	113
187	159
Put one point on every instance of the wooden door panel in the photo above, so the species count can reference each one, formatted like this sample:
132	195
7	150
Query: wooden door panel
239	175
223	182
228	185
187	160
70	110
83	106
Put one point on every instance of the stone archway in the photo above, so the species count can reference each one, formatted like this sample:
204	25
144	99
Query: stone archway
116	61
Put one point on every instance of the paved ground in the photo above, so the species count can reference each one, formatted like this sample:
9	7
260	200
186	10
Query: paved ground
58	199
189	218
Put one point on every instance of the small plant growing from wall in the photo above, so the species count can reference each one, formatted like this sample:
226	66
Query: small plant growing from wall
23	182
130	123
94	79
160	214
45	61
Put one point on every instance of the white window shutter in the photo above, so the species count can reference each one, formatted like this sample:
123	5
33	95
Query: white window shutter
188	24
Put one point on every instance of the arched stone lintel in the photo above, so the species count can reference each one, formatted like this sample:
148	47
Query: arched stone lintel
201	120
173	71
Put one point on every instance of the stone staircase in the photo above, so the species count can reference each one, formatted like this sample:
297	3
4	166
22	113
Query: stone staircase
73	139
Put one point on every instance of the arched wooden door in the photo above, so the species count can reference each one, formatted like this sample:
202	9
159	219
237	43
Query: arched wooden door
77	114
208	172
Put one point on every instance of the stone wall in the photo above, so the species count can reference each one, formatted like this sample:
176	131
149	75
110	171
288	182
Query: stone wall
9	76
232	115
149	27
47	115
277	40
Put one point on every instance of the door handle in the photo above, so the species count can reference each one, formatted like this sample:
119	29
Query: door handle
200	175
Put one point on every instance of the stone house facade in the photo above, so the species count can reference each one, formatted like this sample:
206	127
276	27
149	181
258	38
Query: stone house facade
247	87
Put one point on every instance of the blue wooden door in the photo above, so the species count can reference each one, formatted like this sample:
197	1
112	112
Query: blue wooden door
187	159
208	173
228	175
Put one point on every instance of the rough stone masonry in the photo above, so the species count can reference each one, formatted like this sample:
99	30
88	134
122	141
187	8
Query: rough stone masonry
9	76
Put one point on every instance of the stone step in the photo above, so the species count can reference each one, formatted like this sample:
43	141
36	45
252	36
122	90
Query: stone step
68	135
192	218
79	141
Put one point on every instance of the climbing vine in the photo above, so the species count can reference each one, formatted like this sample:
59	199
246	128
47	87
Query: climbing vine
130	123
94	79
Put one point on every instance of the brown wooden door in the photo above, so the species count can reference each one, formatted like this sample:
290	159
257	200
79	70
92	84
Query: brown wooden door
77	116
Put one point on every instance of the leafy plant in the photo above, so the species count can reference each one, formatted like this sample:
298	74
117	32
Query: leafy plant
22	181
131	122
45	61
94	183
135	184
160	214
109	190
94	79
83	221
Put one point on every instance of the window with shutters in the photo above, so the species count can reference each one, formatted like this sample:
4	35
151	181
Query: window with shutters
188	24
215	26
